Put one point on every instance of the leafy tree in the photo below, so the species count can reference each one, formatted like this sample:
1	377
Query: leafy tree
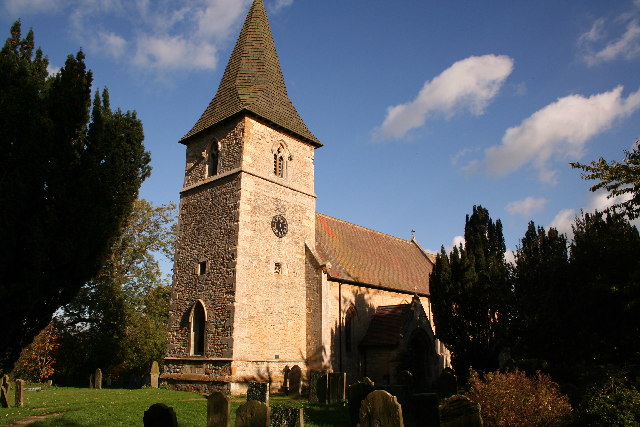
540	290
471	295
618	178
118	320
67	183
37	360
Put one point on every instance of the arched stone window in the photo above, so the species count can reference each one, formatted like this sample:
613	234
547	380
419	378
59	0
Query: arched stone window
280	158
197	321
349	318
213	157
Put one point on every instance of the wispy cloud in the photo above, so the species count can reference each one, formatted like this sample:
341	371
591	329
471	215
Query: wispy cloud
597	46
157	36
469	84
526	207
279	4
559	130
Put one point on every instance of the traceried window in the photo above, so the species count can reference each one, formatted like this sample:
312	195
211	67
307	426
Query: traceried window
279	163
198	321
213	157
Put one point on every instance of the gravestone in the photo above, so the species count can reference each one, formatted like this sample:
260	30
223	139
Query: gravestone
459	411
154	374
447	384
337	387
91	381
160	415
285	382
252	414
315	378
295	381
98	379
218	410
421	410
380	409
356	393
285	416
5	389
259	392
19	393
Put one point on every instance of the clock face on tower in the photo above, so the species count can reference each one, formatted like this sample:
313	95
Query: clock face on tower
279	226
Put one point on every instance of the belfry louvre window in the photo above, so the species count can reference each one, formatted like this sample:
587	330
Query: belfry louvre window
213	156
278	163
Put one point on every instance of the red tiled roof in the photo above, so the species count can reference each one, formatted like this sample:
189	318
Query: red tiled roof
387	325
357	254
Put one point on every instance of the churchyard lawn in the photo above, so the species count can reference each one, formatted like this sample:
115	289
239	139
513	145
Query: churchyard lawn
67	406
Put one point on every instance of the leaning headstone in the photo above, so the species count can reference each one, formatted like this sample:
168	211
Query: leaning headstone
295	381
252	414
19	393
218	410
380	409
91	382
154	374
286	416
337	387
459	411
5	388
356	393
98	379
421	409
259	392
447	384
322	387
160	415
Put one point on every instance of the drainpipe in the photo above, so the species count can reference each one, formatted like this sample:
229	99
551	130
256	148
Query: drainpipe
340	324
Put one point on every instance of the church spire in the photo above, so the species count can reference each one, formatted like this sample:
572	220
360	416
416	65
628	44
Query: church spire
253	82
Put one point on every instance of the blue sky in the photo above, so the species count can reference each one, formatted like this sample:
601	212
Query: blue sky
425	107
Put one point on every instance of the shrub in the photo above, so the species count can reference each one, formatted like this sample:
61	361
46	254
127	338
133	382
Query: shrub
513	399
614	405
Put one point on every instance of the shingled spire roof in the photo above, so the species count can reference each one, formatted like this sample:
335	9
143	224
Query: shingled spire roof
253	82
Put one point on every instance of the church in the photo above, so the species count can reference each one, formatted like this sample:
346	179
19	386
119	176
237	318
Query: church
262	282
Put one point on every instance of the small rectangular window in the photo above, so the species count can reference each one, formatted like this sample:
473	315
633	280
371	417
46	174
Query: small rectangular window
202	268
278	268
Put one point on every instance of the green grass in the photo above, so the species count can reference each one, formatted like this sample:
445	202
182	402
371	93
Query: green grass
78	407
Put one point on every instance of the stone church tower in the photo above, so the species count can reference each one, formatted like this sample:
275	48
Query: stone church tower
247	210
262	282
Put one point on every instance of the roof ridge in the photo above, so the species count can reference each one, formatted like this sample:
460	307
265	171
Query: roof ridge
366	228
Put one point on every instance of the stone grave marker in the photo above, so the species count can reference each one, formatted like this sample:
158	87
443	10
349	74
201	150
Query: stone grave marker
459	411
285	382
253	414
285	416
337	387
259	392
154	374
447	384
380	409
295	381
356	393
19	393
160	415
5	389
98	379
218	410
91	381
315	377
421	410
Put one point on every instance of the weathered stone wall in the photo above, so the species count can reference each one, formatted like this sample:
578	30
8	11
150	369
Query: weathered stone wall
270	309
207	231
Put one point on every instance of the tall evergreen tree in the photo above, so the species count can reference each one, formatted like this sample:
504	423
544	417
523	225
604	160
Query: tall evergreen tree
471	295
67	183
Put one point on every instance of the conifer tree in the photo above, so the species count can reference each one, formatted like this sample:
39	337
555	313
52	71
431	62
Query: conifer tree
67	183
471	295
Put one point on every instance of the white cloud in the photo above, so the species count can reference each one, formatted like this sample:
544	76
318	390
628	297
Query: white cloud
457	241
526	207
112	43
174	53
563	221
560	129
279	4
597	47
52	70
468	84
24	7
510	257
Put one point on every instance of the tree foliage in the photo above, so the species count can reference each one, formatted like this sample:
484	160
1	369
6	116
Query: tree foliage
618	178
117	322
67	183
37	361
470	293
